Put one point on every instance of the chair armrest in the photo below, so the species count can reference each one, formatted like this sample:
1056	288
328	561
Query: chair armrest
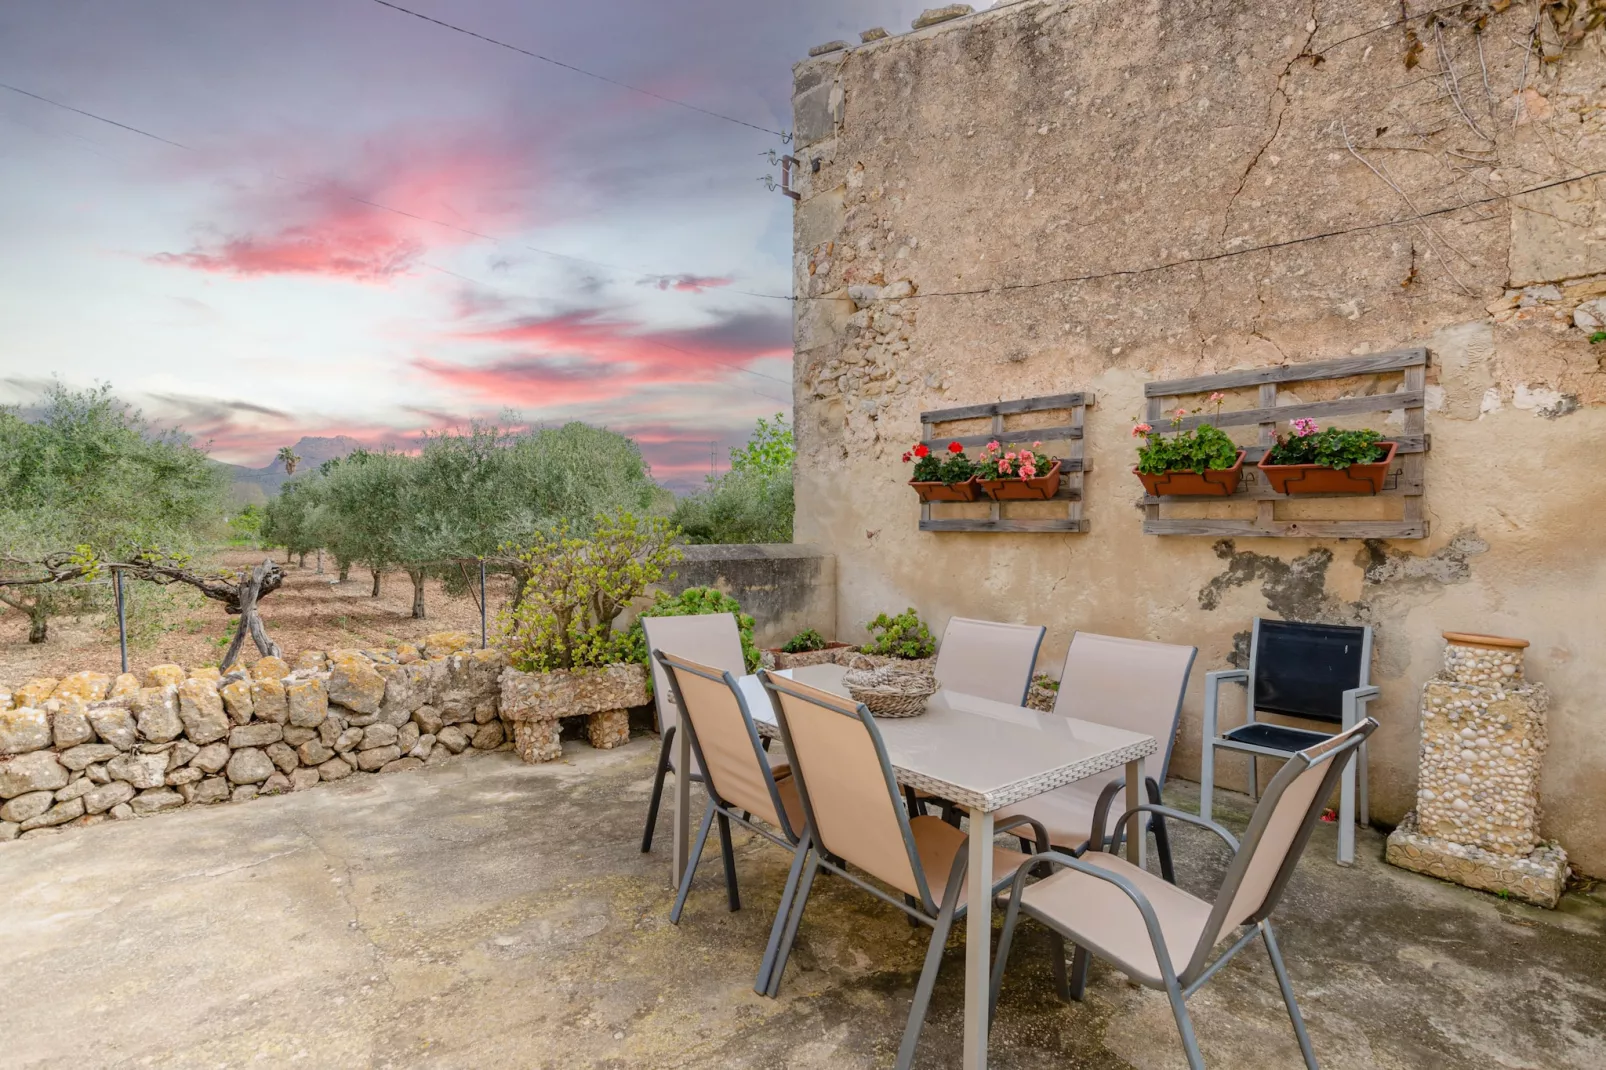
1037	827
1363	694
1226	675
1175	815
1139	900
1101	809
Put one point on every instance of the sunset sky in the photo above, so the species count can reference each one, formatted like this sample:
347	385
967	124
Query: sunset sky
240	287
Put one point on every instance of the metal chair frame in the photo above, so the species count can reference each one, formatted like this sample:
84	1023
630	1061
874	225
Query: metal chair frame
926	911
1353	789
1200	967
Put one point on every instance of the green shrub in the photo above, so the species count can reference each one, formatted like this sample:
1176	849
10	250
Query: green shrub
692	602
903	636
578	586
804	641
739	507
1331	448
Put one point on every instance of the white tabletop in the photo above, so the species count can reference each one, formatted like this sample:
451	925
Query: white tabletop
981	754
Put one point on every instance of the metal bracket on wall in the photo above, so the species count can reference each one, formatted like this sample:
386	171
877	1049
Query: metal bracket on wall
1405	478
1073	466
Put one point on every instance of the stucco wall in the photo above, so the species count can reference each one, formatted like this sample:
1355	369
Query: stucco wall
786	588
951	175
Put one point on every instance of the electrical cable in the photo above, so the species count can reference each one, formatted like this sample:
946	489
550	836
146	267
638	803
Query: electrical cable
581	70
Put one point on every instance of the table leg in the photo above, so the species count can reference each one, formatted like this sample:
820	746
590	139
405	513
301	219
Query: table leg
1137	841
680	856
978	940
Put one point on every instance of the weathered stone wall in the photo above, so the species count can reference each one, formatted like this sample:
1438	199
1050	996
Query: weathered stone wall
1049	197
785	588
89	747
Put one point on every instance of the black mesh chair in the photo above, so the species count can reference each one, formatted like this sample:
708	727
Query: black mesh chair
1316	672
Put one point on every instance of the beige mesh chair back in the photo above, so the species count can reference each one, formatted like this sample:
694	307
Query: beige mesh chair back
1126	683
708	639
1164	937
848	789
985	658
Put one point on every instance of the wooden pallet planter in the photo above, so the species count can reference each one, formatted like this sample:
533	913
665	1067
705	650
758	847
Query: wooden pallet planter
1072	468
1404	479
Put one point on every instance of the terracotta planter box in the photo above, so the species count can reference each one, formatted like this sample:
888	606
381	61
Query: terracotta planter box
1213	482
946	492
1319	479
826	655
1037	489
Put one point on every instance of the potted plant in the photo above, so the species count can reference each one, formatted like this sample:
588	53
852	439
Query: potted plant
807	647
1203	461
1016	473
903	638
1314	461
947	478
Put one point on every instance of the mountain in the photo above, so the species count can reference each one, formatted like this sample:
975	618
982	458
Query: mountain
257	485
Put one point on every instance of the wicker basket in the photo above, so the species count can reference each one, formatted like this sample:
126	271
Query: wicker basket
890	690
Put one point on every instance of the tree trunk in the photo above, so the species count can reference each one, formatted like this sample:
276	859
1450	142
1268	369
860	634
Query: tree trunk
418	592
345	571
320	562
302	563
250	620
38	623
377	574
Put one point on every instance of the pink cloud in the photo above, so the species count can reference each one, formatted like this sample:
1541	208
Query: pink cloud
685	283
373	220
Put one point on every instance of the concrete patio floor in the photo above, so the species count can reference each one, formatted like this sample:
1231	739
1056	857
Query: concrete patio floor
489	914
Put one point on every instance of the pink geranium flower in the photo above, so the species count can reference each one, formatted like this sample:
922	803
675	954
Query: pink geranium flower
1141	429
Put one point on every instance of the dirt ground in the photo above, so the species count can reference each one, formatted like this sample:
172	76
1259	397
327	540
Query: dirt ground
310	612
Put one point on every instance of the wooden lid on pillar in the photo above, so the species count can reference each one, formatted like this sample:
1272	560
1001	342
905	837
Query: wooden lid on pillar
1494	641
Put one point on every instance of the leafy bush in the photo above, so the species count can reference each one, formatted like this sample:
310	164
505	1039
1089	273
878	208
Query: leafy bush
737	508
578	586
1331	448
246	525
804	642
903	636
692	602
1205	448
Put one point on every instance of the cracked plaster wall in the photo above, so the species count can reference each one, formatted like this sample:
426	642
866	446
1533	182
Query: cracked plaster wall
1045	140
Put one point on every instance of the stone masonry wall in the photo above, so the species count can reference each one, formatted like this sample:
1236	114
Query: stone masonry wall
1054	196
90	747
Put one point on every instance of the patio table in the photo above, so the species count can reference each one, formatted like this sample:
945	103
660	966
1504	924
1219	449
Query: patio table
978	753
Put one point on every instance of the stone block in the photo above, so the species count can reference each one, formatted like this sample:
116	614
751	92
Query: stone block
608	729
89	686
828	48
875	33
255	735
123	812
296	736
237	702
349	739
200	707
9	830
211	790
268	702
371	760
401	765
181	753
84	755
309	702
124	685
489	736
249	766
75	788
156	713
211	758
186	775
535	741
28	806
243	793
59	814
105	796
407	736
378	735
423	748
334	769
933	15
114	725
304	778
69	726
164	674
269	668
36	771
527	696
428	720
140	770
97	773
356	684
440	644
284	757
23	730
455	739
277	784
312	661
34	692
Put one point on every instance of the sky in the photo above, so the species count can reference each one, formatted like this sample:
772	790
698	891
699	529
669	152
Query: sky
371	225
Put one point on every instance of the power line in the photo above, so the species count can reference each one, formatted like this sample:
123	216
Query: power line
369	203
582	70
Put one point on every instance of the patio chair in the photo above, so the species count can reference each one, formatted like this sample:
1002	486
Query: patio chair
741	784
1317	672
855	817
1125	683
982	657
986	658
1148	928
708	639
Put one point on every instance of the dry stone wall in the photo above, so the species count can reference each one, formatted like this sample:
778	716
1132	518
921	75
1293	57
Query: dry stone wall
91	747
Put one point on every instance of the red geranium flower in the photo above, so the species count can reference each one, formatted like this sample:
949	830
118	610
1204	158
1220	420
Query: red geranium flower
954	447
906	457
921	450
